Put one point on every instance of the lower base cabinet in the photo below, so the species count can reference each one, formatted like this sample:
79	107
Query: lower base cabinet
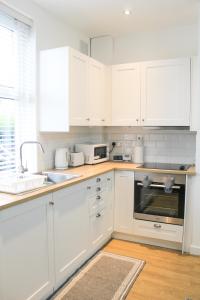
124	201
71	227
26	251
44	241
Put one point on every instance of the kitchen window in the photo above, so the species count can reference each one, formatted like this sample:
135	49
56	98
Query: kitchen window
17	105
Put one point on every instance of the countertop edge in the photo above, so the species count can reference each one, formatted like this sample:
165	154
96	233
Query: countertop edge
13	200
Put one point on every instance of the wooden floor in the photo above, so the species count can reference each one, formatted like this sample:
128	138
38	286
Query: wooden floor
167	275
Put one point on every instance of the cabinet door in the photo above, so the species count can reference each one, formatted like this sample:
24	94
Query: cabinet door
97	100
26	247
79	114
71	230
126	95
124	200
166	93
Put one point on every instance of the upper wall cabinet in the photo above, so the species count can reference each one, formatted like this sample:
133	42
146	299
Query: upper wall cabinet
153	93
78	97
165	93
98	104
73	90
126	95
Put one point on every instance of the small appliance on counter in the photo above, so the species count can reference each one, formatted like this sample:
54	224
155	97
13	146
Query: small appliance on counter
93	153
76	159
62	158
122	157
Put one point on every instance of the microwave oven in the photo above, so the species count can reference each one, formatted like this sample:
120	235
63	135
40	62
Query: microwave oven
93	153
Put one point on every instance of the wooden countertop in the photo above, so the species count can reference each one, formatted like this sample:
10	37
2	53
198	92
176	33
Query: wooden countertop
86	172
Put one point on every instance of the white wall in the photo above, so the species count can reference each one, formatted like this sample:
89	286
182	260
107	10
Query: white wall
50	31
194	182
160	44
171	43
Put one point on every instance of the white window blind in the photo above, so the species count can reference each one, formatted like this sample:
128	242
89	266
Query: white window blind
17	107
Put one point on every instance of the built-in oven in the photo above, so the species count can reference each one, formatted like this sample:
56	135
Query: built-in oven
159	197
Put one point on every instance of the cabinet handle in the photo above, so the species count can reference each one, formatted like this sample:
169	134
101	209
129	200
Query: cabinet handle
88	187
88	119
98	215
103	120
157	226
98	197
98	179
137	120
142	120
108	179
51	203
98	189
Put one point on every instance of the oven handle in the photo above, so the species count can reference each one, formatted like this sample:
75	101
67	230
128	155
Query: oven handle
174	187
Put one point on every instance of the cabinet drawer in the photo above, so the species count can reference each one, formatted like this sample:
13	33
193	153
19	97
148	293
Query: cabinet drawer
161	231
96	203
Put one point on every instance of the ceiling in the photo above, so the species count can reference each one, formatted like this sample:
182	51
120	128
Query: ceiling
102	17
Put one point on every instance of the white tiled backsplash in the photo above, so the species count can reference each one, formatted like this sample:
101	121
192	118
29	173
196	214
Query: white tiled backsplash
175	146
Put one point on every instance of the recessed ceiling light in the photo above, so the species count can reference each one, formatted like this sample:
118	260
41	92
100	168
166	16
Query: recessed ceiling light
127	12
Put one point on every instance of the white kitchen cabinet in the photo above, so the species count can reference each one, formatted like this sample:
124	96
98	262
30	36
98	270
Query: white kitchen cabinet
124	201
165	92
26	251
71	230
79	85
97	93
155	93
126	95
100	196
74	90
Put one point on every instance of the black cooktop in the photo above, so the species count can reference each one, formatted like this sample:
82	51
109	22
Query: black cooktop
165	166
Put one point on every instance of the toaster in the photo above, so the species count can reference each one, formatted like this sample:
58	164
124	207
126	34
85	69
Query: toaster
76	159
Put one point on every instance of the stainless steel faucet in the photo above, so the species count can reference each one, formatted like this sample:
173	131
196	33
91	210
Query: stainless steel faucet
22	168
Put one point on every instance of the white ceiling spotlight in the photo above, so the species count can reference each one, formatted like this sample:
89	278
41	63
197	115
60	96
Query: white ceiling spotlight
127	12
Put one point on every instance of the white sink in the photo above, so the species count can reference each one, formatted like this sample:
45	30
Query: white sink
18	183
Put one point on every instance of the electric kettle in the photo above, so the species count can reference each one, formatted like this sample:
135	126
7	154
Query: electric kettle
62	158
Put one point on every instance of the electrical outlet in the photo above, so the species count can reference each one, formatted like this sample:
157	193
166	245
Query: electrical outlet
140	137
118	144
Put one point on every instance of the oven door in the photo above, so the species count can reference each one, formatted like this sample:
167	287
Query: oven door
154	203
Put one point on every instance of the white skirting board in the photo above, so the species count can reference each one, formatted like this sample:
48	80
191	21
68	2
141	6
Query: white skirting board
147	241
195	250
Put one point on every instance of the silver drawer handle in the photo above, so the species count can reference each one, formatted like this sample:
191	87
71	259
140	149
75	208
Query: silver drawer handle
98	189
157	226
98	215
98	179
51	203
98	197
174	187
108	179
88	187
